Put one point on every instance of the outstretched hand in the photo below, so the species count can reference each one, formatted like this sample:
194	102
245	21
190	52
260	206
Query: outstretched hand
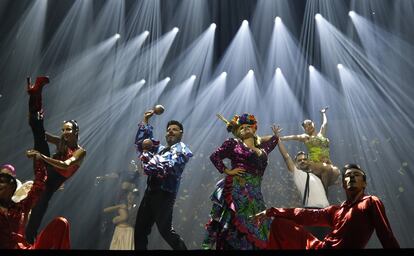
323	110
31	153
276	130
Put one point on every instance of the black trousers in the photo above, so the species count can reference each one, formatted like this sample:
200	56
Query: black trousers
156	207
53	182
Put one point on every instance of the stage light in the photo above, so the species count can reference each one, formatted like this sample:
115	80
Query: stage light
175	30
193	77
278	20
117	36
245	23
351	14
167	79
213	25
278	71
318	16
311	68
340	66
224	74
142	81
146	33
251	72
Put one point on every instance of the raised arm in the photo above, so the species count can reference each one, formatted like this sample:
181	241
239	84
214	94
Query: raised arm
52	138
268	143
324	122
288	160
381	224
300	137
145	132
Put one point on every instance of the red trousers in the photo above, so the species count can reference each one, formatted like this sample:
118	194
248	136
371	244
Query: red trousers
54	236
286	234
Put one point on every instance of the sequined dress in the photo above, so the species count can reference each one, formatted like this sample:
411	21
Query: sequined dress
236	198
318	148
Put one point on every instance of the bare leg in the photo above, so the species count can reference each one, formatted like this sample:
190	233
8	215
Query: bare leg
328	173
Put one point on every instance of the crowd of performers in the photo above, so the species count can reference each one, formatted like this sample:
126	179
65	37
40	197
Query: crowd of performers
239	218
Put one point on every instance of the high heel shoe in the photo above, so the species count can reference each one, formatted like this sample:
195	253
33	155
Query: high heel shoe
36	88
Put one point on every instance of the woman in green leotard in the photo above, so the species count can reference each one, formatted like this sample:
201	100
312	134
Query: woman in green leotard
318	149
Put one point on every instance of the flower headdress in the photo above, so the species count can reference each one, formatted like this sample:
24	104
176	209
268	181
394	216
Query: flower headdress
237	120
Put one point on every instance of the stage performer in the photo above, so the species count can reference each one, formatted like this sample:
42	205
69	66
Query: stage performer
239	195
123	237
352	222
317	145
62	165
309	185
164	167
13	215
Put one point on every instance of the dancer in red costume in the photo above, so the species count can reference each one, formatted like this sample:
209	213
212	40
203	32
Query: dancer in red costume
352	222
13	215
62	165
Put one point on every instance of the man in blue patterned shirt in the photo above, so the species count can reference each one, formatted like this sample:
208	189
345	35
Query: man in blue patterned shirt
164	166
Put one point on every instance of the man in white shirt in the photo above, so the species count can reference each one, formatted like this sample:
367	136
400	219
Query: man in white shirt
309	185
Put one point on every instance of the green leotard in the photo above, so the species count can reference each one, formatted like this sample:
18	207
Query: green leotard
318	148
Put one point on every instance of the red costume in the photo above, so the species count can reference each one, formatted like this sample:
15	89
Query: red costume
352	226
13	221
72	169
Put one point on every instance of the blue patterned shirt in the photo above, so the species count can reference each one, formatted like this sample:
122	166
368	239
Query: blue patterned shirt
163	165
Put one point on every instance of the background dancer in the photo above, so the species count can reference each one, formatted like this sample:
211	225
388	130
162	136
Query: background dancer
62	165
318	149
13	216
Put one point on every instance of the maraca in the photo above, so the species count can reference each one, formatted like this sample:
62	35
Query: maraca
158	109
147	144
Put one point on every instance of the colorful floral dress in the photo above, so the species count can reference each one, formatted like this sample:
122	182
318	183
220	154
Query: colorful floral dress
236	198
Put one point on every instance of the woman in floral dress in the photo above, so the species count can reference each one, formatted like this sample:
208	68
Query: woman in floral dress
238	196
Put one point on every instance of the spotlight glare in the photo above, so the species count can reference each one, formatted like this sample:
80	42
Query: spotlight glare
340	66
351	14
278	71
142	81
117	36
213	25
193	77
318	16
167	79
146	33
311	68
278	20
245	23
175	30
251	72
224	74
